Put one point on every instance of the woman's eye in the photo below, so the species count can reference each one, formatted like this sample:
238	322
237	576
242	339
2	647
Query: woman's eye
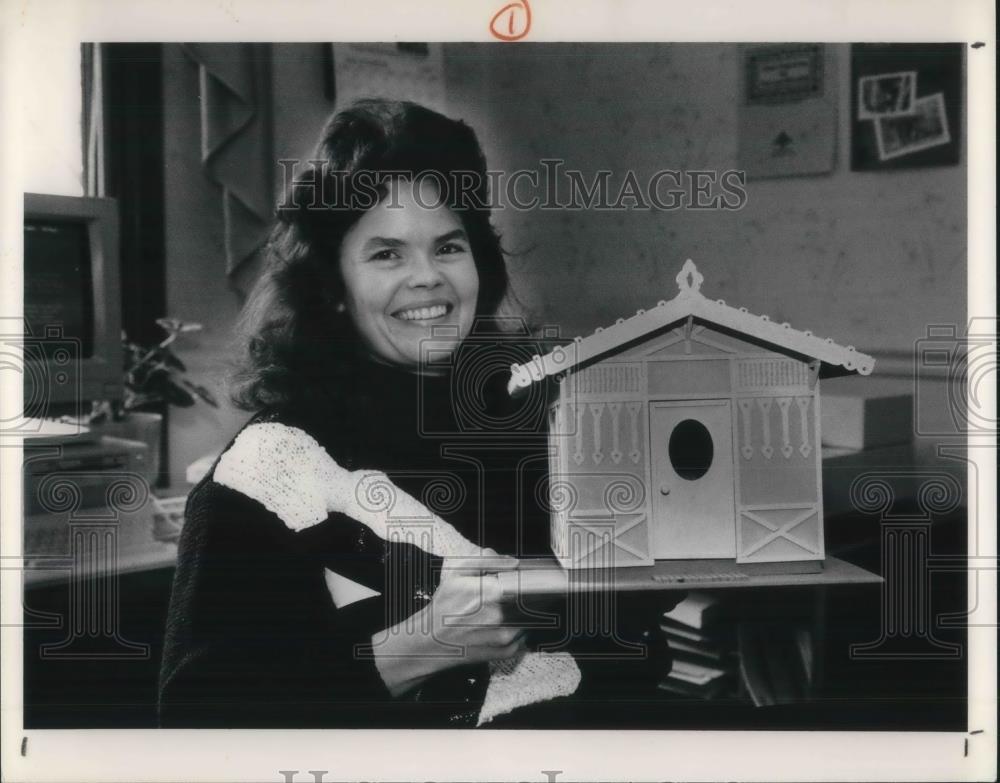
451	248
384	255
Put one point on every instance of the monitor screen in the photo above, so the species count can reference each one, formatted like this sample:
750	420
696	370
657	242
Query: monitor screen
72	304
58	279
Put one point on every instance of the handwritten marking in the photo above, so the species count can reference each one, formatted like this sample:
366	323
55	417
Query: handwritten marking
517	16
24	746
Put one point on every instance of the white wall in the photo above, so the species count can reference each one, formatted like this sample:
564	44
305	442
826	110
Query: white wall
50	108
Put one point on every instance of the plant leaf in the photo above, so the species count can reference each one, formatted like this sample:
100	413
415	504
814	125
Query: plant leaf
175	395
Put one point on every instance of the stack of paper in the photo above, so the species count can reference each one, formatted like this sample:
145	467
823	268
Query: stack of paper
705	663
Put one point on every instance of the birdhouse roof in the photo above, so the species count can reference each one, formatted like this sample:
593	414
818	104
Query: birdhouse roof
689	302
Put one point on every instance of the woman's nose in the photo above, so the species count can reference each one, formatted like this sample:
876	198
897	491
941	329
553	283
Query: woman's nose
424	272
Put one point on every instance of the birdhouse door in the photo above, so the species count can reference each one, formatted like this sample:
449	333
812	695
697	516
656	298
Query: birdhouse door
691	454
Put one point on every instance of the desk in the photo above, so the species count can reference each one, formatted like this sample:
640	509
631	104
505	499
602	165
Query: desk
96	590
93	543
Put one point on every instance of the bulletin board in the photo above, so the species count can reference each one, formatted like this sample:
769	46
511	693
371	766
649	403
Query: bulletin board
906	105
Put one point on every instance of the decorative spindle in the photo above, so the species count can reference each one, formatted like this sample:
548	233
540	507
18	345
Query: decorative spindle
616	446
596	410
803	402
784	403
765	413
633	412
745	411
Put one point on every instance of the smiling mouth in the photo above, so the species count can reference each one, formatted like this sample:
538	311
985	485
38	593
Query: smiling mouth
428	313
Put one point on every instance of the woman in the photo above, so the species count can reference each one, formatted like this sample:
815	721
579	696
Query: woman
338	567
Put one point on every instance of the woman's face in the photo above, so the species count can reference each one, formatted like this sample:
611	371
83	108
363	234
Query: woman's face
407	268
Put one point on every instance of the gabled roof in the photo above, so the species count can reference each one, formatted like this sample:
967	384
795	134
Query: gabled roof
689	303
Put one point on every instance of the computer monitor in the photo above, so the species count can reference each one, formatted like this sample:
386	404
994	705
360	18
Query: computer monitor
72	304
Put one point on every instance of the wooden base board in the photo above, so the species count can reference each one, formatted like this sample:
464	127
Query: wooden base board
545	577
792	567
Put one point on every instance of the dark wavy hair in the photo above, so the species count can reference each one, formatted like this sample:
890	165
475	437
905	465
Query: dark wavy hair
294	340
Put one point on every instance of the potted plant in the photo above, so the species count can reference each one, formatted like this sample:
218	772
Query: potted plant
154	377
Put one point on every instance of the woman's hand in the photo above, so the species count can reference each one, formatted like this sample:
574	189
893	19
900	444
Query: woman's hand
463	623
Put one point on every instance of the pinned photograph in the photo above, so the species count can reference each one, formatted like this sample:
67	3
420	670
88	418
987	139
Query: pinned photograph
887	95
926	127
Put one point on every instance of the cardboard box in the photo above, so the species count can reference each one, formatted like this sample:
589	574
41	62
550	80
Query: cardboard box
855	416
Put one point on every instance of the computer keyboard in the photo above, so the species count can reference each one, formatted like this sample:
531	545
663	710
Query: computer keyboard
52	429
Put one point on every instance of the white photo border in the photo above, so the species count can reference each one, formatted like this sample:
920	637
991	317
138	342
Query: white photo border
936	100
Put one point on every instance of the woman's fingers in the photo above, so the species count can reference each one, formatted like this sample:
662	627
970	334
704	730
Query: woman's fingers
494	561
516	647
504	637
472	601
488	563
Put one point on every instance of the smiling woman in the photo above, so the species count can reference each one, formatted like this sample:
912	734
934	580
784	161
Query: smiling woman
390	165
323	554
407	268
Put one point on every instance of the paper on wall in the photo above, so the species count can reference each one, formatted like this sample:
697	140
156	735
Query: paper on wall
412	72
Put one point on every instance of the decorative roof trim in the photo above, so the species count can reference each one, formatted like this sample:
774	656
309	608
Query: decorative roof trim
689	302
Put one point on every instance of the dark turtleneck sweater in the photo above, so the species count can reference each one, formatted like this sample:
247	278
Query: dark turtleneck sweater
253	636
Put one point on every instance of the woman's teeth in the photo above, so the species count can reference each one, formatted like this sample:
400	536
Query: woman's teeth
423	313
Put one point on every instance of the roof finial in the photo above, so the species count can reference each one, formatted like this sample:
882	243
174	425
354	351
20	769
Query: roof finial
690	279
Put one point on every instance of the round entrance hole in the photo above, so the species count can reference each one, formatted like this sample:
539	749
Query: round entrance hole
690	449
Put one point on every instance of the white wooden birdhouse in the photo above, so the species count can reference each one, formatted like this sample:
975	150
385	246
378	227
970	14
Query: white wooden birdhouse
689	431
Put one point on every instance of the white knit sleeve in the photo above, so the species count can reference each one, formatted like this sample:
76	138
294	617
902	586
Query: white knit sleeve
290	474
527	679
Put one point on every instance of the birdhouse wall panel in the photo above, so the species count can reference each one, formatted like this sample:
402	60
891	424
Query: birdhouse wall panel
598	481
606	380
773	373
600	544
778	484
603	492
692	377
768	534
601	434
643	349
775	429
682	340
722	341
679	347
559	534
